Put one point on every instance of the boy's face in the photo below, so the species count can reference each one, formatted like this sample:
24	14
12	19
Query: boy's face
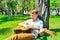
33	16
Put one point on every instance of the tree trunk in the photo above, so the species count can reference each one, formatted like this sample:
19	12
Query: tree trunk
58	12
23	6
43	9
13	12
8	12
1	12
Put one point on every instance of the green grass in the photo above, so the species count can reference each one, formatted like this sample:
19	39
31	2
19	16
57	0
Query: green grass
55	26
6	27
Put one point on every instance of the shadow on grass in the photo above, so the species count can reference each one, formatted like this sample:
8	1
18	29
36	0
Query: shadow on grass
3	19
4	30
56	30
44	37
55	16
20	17
15	17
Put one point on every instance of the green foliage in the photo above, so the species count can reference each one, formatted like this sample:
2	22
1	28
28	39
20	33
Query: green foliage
32	4
54	4
17	4
11	4
2	5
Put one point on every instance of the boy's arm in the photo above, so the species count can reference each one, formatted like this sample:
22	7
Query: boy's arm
47	31
50	32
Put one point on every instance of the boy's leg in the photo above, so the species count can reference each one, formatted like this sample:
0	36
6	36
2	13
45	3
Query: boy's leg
22	36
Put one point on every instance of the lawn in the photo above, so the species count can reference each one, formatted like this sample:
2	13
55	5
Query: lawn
6	27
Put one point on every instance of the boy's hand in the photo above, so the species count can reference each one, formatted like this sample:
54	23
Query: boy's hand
42	31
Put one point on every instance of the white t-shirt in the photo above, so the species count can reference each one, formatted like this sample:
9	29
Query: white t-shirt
36	24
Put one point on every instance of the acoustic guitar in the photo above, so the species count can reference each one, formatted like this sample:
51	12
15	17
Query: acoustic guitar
29	30
21	29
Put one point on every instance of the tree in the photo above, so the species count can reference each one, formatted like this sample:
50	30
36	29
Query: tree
58	8
7	10
2	7
12	5
43	8
54	5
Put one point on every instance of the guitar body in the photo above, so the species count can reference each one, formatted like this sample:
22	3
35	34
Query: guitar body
22	30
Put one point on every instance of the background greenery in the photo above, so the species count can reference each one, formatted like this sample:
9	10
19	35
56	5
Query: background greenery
18	6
